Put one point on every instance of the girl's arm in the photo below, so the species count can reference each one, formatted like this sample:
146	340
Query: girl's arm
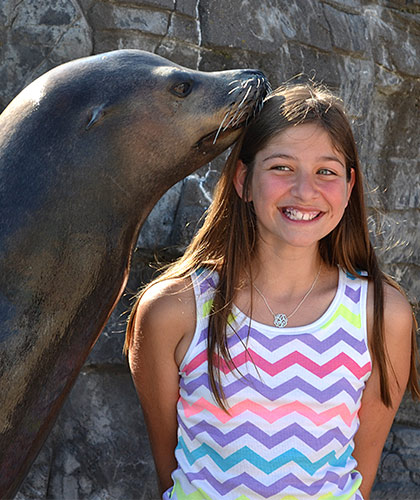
164	318
375	418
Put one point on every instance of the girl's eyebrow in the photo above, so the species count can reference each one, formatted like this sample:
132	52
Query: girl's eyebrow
332	158
291	157
280	155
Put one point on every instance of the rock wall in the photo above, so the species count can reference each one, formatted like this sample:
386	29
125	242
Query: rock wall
369	51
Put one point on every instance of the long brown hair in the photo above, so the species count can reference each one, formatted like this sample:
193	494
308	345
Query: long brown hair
227	240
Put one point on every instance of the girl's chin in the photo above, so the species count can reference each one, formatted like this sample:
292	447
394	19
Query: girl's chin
292	243
293	235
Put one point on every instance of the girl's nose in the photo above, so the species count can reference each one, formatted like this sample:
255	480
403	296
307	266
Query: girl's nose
304	186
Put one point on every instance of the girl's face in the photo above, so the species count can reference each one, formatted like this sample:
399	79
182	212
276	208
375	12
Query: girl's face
299	187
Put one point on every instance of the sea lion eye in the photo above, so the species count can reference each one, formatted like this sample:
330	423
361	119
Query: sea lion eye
181	89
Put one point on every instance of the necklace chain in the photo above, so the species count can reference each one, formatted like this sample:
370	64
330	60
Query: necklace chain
280	320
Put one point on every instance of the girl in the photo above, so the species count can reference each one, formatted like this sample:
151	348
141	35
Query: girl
311	345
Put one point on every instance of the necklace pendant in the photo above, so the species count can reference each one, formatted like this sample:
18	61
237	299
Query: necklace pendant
280	320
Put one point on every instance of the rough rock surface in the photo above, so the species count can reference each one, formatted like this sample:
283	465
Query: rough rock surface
369	50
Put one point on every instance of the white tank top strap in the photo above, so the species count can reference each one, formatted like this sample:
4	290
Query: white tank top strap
204	282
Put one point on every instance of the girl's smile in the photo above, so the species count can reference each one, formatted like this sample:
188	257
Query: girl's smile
296	214
299	186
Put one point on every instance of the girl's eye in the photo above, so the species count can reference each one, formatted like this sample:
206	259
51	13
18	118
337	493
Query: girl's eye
325	171
283	168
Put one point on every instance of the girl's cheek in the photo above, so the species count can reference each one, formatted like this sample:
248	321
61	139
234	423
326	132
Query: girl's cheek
265	188
276	184
337	191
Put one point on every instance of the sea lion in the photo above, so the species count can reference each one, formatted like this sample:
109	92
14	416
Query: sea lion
85	152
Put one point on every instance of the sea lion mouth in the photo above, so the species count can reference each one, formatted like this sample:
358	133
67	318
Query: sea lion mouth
210	139
248	96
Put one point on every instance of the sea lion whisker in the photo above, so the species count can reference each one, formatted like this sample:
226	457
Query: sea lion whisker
238	118
244	98
220	127
229	123
246	82
233	121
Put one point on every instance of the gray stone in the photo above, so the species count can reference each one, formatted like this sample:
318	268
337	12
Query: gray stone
406	438
356	88
269	24
390	135
106	40
399	234
399	465
99	444
108	350
188	7
387	491
348	31
85	5
6	9
314	31
388	82
183	29
186	223
349	6
314	64
164	4
156	231
108	16
40	36
76	41
223	59
222	24
35	486
392	468
184	55
195	198
408	276
400	194
187	220
389	31
408	412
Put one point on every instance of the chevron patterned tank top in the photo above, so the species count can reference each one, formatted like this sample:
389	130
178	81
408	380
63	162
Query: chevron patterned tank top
293	404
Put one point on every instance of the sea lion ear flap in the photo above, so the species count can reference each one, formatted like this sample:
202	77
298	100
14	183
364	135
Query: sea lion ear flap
97	114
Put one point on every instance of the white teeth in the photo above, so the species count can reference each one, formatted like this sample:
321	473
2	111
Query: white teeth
294	214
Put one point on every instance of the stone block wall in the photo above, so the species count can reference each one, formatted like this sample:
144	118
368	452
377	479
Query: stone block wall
367	50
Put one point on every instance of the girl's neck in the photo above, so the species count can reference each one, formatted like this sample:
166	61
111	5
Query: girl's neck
289	270
296	284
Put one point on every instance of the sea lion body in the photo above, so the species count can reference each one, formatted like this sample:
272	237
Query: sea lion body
85	152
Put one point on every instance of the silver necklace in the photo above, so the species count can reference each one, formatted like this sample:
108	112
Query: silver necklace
280	320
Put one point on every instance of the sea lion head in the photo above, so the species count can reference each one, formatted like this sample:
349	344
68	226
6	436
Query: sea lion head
156	118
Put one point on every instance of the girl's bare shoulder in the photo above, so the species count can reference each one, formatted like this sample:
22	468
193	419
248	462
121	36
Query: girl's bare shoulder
398	313
167	304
